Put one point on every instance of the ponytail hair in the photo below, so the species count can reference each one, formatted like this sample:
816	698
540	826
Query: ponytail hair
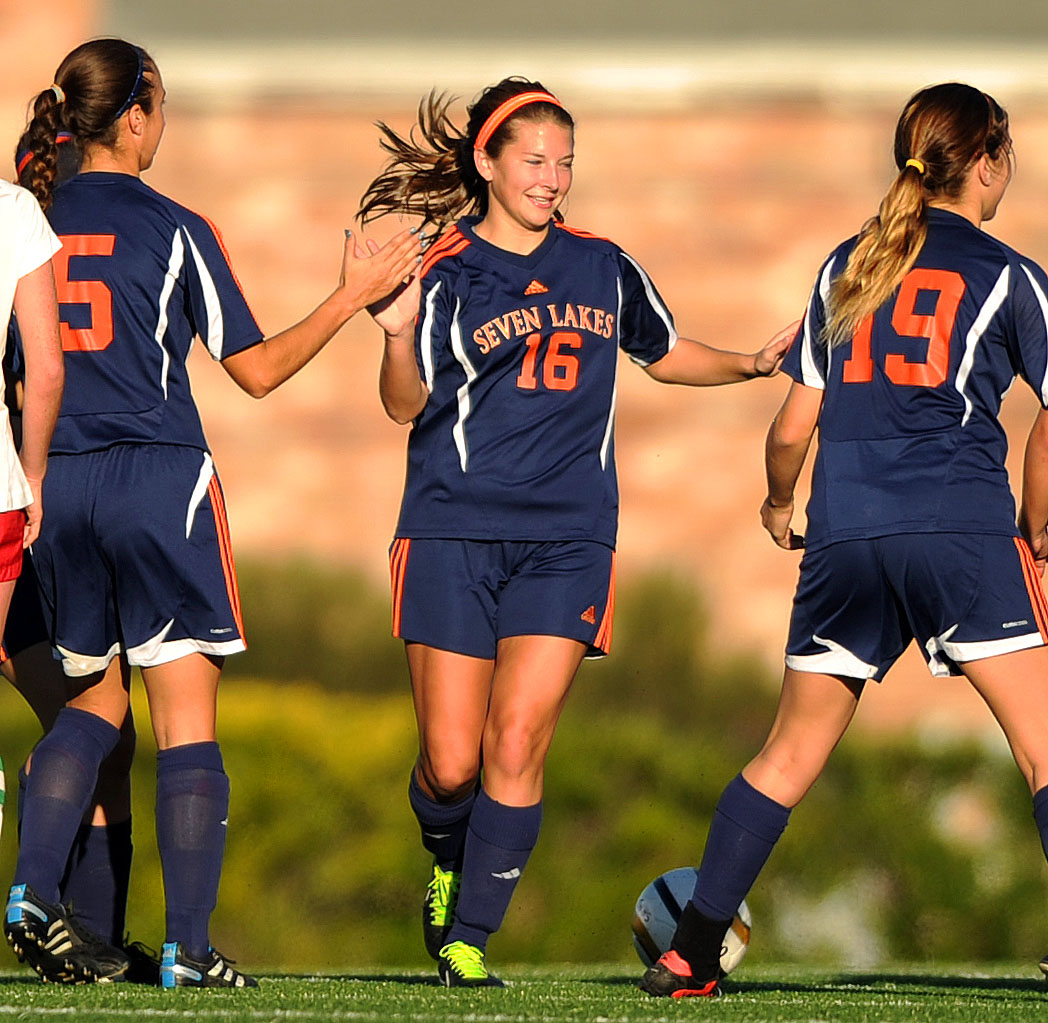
941	132
431	173
93	87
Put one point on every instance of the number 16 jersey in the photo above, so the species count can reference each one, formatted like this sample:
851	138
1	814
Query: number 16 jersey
519	354
909	440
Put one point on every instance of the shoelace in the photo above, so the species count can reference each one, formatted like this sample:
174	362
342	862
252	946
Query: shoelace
466	960
442	887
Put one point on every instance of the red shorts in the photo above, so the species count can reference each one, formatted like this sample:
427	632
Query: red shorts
12	529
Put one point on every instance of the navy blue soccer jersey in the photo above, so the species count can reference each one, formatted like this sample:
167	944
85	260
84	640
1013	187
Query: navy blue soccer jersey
137	278
909	439
519	354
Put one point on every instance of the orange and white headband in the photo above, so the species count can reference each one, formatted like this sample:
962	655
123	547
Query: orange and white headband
508	108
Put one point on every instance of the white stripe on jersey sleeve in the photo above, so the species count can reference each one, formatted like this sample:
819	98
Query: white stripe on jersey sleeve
174	268
812	375
1042	301
994	301
609	426
426	336
662	312
459	429
215	328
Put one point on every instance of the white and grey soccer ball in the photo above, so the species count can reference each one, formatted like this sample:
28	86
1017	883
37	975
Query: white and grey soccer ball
659	908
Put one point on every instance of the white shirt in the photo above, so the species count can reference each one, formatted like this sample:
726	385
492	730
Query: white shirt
28	243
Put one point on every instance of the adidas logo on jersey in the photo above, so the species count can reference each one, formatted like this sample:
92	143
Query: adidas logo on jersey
536	288
589	615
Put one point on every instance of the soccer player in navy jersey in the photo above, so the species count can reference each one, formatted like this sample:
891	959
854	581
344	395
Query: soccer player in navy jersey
915	330
503	562
135	565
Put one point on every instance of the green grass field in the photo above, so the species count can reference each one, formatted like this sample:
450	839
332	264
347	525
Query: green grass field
938	994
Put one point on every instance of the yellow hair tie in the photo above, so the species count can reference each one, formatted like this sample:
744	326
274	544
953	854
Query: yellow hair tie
916	164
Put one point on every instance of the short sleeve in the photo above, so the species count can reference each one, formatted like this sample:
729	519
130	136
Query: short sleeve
218	310
807	360
646	328
38	242
1030	314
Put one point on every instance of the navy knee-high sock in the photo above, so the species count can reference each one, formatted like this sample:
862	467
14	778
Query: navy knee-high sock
58	791
96	878
744	830
499	841
745	827
192	803
443	825
23	781
1040	816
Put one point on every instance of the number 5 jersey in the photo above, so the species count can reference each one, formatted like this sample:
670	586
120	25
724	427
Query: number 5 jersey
909	440
138	276
519	354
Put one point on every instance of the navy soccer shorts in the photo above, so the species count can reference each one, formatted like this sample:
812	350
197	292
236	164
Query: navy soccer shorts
134	557
466	595
962	596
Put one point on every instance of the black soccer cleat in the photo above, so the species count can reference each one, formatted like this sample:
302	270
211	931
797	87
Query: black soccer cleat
61	949
143	964
1043	964
671	977
178	970
438	908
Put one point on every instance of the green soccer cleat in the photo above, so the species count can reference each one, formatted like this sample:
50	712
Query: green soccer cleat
438	908
462	965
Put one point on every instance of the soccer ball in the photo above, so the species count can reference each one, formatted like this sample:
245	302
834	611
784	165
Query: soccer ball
659	908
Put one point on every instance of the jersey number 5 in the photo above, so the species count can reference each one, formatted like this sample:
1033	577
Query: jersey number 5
906	322
93	294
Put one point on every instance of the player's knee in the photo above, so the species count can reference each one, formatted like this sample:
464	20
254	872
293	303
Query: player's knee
515	750
450	776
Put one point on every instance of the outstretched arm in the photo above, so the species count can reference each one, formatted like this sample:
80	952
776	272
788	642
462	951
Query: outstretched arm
366	278
789	438
37	312
400	385
1033	513
699	365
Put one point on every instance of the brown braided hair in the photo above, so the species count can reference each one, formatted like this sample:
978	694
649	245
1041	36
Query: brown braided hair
100	79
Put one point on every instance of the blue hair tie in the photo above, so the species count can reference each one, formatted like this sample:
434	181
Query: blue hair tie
134	88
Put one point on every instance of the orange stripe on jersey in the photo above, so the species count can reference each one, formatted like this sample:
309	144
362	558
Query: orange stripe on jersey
603	639
1033	587
578	232
225	252
398	566
225	550
450	245
449	237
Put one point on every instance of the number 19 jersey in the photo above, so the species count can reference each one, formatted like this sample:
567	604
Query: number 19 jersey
909	439
519	353
137	278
